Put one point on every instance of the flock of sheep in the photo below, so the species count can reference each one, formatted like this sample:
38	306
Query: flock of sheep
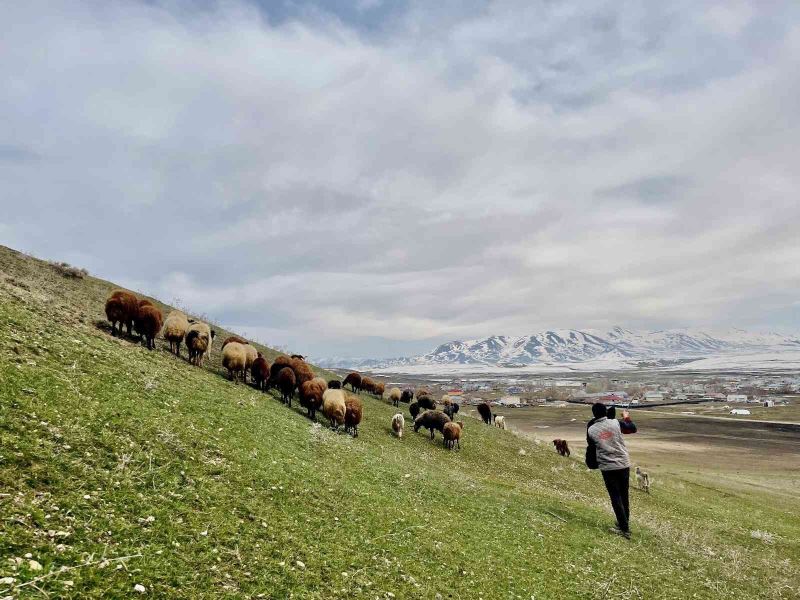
290	375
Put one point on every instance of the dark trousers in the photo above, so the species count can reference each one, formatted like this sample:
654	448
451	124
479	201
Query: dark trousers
617	485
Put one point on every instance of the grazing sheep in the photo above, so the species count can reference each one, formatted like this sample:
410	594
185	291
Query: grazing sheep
446	399
451	409
148	324
562	447
414	409
485	412
398	423
121	307
367	384
642	480
378	389
434	420
298	356
355	381
199	339
234	358
451	434
425	402
252	355
423	391
260	372
354	410
334	406
302	372
394	396
234	338
279	363
311	393
334	384
500	421
286	384
175	327
407	396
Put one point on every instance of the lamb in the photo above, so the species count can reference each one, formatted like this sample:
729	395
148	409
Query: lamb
562	447
485	412
175	327
355	381
286	384
260	372
414	409
451	409
354	410
451	434
252	355
334	406
234	358
500	421
378	388
425	402
434	420
398	423
642	480
394	396
234	338
334	384
311	393
148	324
199	339
407	396
121	307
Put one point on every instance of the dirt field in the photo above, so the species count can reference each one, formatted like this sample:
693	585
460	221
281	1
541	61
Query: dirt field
739	455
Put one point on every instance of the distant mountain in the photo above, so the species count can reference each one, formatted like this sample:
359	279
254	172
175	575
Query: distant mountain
571	346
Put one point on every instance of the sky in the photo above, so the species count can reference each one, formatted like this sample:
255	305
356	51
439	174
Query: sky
372	178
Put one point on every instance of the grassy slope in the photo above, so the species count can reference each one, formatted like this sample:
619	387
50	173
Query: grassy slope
98	434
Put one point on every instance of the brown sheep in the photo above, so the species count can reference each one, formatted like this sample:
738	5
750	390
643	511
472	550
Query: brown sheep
434	420
234	338
354	410
378	389
311	395
367	384
451	433
286	384
234	358
260	372
199	339
355	381
175	327
562	447
148	324
298	356
302	372
334	406
279	363
122	307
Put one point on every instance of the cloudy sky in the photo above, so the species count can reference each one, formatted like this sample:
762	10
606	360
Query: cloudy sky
371	178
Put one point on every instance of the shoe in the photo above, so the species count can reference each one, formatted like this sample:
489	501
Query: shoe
616	530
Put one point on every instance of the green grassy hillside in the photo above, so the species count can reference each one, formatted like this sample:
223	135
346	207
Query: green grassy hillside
122	467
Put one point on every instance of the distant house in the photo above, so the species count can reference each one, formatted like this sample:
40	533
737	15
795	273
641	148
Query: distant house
455	393
509	402
737	398
515	389
769	403
740	411
653	396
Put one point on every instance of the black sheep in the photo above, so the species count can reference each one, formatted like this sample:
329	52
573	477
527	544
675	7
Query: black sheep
435	420
334	384
286	384
485	412
426	402
407	396
414	409
451	409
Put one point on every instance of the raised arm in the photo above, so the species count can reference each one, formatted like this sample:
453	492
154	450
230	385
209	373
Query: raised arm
626	425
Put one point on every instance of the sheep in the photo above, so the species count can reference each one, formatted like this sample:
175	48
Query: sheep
279	363
425	402
500	421
311	393
334	406
562	447
251	354
298	356
121	307
368	384
446	399
434	420
302	372
451	409
407	396
286	383
199	339
354	410
451	434
423	392
234	338
334	384
175	327
355	381
378	389
398	423
234	358
414	409
148	324
485	412
260	372
642	480
394	396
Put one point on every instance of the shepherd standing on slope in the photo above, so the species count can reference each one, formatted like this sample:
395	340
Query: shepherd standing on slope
613	461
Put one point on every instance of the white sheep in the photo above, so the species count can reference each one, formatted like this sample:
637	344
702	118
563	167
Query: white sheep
251	355
199	339
500	421
234	358
175	328
398	423
334	407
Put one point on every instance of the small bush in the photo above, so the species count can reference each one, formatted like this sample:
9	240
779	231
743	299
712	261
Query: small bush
67	270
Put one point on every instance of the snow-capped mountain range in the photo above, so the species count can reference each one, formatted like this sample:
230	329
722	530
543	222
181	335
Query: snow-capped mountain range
616	348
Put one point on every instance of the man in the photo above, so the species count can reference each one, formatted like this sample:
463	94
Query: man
613	461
